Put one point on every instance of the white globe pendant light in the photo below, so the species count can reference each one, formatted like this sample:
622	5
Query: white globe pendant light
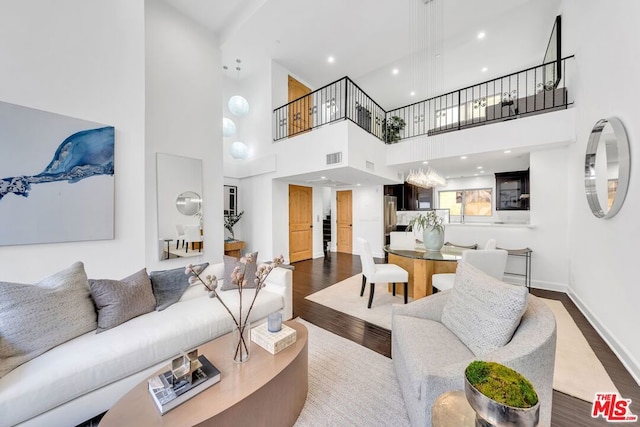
239	150
238	106
228	127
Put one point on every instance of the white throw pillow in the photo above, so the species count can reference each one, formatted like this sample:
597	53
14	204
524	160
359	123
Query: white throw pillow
483	311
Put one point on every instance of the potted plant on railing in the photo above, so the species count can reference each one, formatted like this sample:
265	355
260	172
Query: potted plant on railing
432	229
391	129
500	396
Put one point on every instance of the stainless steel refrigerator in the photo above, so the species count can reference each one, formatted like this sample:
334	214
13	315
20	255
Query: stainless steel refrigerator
390	220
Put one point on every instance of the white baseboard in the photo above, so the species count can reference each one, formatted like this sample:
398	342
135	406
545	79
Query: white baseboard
537	284
625	357
318	255
630	363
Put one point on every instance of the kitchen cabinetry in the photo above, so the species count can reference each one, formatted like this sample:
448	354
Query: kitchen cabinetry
411	197
512	190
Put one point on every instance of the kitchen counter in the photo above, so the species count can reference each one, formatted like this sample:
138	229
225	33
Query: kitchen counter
491	224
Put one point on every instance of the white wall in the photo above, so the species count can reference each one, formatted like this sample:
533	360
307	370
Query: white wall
183	117
603	254
367	216
85	60
547	236
556	129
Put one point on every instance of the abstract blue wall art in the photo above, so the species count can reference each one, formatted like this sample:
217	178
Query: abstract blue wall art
58	183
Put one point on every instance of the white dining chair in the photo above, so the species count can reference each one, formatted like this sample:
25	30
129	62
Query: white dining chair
380	273
192	234
491	244
180	231
491	261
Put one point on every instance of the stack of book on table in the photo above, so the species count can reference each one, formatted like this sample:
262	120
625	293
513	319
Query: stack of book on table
273	342
180	383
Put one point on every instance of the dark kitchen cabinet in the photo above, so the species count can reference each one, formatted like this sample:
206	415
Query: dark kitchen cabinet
410	197
512	190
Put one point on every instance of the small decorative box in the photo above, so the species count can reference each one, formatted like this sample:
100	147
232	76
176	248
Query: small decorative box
273	342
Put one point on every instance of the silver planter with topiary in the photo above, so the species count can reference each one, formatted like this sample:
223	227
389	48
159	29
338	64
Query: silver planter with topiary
500	396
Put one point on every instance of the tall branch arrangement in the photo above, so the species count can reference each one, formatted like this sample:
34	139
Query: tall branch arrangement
238	278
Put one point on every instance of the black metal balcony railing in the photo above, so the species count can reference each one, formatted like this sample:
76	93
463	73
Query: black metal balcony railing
340	100
531	91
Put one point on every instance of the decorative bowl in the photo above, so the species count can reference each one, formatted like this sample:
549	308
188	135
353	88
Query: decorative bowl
491	413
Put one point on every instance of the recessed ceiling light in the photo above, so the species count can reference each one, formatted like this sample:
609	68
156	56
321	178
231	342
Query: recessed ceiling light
395	71
412	93
481	171
479	167
357	185
425	162
481	35
331	60
447	177
323	177
507	151
463	157
484	69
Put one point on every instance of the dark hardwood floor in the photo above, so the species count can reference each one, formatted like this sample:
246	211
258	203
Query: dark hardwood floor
314	275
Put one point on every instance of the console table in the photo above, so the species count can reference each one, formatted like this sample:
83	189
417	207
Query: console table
422	264
233	248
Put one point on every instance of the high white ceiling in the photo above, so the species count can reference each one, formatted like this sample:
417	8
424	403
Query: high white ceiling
369	38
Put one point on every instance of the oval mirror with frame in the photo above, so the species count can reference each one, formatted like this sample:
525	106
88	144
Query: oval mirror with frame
606	168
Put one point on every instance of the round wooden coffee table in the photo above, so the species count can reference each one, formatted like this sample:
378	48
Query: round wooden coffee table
266	390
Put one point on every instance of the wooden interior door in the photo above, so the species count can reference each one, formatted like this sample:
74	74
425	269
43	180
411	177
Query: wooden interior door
300	223
344	221
299	111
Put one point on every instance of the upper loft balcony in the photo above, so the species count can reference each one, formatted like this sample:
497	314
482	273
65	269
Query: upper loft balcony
536	90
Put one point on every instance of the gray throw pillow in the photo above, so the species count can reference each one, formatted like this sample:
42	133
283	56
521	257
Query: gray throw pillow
482	311
121	300
35	318
250	273
169	285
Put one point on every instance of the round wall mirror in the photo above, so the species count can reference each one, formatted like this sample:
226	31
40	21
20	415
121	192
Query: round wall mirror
606	167
189	203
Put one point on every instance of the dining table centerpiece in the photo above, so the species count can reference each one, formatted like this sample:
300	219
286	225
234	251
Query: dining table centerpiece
432	227
241	330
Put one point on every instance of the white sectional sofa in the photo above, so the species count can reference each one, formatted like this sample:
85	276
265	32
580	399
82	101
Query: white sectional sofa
85	376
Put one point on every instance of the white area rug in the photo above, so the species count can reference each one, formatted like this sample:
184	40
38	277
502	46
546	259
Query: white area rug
181	252
349	385
578	372
345	297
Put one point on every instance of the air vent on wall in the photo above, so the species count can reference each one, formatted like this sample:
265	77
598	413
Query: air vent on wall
334	158
370	166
